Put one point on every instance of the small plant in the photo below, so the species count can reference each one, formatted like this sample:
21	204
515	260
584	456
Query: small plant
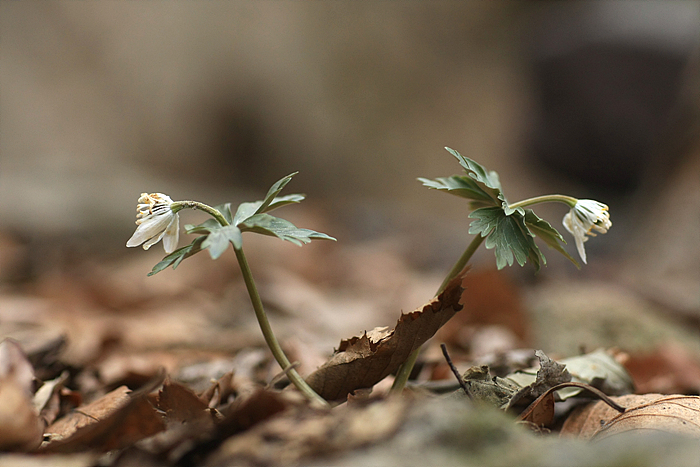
158	219
510	229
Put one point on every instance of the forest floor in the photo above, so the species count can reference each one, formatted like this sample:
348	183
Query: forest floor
101	365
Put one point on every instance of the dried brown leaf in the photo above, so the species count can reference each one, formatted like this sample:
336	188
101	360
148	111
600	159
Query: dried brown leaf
649	412
88	414
298	435
15	365
115	421
361	362
20	426
47	399
180	404
541	412
219	392
670	369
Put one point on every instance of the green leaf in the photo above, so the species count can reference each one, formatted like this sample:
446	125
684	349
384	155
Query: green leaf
225	210
252	217
176	257
247	210
508	235
217	241
274	191
205	227
542	229
280	201
274	226
463	186
480	185
479	173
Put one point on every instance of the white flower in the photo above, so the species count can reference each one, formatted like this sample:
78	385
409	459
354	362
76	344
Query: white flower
586	216
156	221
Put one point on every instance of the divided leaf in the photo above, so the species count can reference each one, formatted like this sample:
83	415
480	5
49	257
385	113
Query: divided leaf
463	186
508	235
480	185
217	241
249	217
274	191
176	257
274	226
509	231
544	230
478	172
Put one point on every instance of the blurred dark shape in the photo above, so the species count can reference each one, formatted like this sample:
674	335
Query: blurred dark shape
238	146
609	80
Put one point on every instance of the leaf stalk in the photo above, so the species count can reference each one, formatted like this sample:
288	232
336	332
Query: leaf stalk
270	338
406	367
260	314
568	200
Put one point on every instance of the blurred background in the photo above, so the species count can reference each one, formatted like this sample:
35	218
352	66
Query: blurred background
216	100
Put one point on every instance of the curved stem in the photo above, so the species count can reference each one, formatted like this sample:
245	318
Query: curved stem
264	323
270	338
545	199
406	367
461	262
215	213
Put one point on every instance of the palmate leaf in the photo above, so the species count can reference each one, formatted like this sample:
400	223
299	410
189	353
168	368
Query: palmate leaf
274	226
492	185
463	186
479	185
507	235
217	241
246	210
513	236
249	217
274	190
510	232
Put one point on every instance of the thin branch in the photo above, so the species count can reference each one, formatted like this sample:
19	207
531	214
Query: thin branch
461	382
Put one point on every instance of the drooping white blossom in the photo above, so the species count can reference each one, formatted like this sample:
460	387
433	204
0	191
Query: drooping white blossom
585	217
156	220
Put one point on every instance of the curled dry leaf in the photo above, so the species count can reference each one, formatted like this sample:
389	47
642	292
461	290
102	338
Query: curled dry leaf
647	412
541	412
361	362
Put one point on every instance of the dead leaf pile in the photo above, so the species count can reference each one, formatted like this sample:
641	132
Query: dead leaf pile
106	370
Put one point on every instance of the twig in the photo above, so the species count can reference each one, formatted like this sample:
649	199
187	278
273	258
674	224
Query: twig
454	370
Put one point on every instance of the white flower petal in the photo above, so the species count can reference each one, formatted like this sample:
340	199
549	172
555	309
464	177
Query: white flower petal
172	234
571	223
148	228
156	221
153	241
587	215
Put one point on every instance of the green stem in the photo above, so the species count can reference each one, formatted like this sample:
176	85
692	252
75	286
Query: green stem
461	262
270	338
406	367
215	213
260	314
545	199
